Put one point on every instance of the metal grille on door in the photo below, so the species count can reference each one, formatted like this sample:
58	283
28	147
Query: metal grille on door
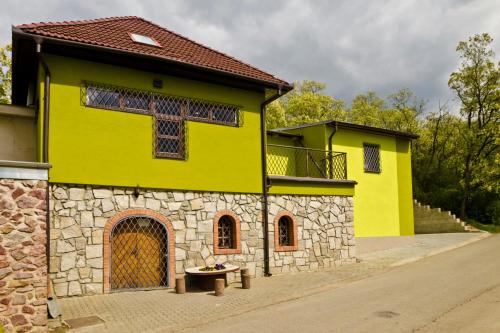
139	254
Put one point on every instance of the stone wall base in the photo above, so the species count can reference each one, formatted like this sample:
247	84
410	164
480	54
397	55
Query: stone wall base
81	213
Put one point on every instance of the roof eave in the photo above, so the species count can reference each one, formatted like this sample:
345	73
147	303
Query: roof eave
40	38
284	134
376	130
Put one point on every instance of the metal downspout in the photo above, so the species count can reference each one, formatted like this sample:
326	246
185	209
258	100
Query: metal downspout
45	152
46	103
265	186
330	150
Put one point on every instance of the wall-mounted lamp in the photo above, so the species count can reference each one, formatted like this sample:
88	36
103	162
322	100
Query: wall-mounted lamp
137	192
157	83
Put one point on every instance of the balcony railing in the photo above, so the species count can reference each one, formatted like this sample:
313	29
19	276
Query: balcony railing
305	162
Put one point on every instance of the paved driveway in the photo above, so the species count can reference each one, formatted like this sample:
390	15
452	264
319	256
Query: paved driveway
456	291
164	311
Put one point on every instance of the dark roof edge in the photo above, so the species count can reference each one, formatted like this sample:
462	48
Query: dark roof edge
284	134
377	130
303	126
268	84
363	128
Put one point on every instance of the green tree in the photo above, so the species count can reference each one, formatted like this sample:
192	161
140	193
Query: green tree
434	160
476	84
366	109
307	103
406	108
5	73
401	112
275	115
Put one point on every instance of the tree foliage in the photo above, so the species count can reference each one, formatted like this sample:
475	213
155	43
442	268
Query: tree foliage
307	103
5	73
401	110
366	109
434	160
476	84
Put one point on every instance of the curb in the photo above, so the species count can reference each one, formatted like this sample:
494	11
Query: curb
482	235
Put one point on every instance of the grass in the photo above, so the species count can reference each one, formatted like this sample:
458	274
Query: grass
493	228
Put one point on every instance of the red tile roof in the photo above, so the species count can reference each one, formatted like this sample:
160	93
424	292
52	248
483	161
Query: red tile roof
114	32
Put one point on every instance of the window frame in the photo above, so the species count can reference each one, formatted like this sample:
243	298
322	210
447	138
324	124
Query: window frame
152	100
211	118
285	223
232	232
236	249
181	153
293	232
379	161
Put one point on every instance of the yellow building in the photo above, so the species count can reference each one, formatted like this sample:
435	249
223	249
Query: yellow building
379	160
159	162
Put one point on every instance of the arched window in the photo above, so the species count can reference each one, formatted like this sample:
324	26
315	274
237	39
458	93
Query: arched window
285	232
285	226
226	233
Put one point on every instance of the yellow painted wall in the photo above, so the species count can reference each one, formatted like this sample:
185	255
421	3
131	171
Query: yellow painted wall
289	187
314	136
376	205
406	223
383	201
280	161
96	146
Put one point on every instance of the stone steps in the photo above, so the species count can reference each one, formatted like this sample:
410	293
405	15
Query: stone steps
432	220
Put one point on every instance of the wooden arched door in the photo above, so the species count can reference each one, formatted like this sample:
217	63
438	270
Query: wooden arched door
139	254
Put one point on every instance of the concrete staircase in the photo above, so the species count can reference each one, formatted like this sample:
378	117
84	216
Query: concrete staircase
434	221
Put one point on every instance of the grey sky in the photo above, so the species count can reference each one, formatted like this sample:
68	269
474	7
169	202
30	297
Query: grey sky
353	46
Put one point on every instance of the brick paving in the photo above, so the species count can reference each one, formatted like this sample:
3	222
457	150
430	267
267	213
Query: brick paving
165	311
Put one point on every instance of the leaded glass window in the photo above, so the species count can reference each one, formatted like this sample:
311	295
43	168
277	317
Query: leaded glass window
169	137
103	97
371	154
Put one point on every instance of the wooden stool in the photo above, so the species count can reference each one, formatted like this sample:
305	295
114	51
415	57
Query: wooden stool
220	284
245	281
180	285
244	271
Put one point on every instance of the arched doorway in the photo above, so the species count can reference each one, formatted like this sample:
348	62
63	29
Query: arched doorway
140	245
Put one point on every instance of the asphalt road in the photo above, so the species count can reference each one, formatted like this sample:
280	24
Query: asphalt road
456	291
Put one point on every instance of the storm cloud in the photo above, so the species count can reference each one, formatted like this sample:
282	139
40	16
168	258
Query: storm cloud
352	46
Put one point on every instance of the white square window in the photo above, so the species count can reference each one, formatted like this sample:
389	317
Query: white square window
144	40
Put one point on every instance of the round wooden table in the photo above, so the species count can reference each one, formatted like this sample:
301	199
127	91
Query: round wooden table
206	279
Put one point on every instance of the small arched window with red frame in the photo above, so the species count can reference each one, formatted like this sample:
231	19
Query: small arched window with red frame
227	233
285	232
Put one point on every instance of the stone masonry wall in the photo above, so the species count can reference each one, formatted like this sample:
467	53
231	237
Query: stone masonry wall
23	267
79	215
325	232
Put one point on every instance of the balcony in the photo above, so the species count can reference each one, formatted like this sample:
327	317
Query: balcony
290	161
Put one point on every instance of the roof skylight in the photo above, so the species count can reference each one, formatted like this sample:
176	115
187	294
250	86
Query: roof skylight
144	40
